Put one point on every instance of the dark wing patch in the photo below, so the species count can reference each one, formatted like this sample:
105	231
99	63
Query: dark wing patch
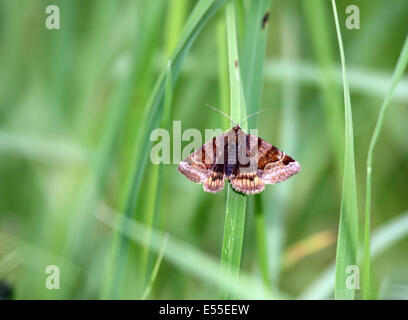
214	183
267	153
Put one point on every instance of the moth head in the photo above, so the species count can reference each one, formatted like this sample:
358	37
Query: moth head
236	126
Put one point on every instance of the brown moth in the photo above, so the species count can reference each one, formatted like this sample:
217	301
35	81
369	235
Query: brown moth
247	161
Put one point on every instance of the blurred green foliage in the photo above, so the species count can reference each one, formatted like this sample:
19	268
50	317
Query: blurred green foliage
72	102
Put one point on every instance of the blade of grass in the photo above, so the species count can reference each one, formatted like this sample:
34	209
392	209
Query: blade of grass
187	258
398	71
44	149
383	238
223	81
201	13
253	55
174	23
308	246
252	62
384	17
236	202
278	202
318	23
238	108
151	22
261	242
347	241
155	267
152	217
96	180
364	81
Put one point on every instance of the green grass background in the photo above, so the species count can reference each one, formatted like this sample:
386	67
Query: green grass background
77	107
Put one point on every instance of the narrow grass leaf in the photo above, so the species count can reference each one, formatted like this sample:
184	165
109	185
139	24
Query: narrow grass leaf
156	267
347	240
174	23
152	216
252	67
364	81
383	238
315	14
202	12
188	258
236	202
223	82
398	71
253	54
279	201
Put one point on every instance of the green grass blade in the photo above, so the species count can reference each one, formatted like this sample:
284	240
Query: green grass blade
347	241
398	71
278	201
236	202
189	259
383	238
315	14
223	82
43	149
155	267
96	180
202	12
238	109
155	191
253	55
261	243
252	67
174	23
362	80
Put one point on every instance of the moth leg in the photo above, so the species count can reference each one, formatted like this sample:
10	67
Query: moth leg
214	183
247	183
194	171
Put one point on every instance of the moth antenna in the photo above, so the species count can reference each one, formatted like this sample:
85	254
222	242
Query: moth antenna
252	114
223	113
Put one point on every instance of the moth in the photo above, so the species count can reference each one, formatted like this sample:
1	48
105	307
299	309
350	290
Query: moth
246	161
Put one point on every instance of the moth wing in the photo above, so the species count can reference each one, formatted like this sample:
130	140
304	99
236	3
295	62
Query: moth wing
193	170
248	183
215	182
199	165
274	165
